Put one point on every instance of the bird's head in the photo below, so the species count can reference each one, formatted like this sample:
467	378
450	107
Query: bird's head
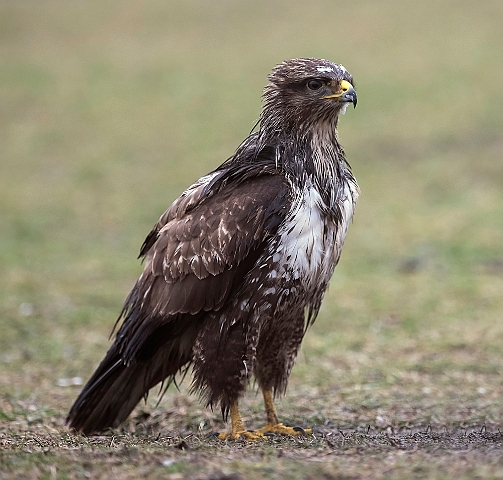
304	91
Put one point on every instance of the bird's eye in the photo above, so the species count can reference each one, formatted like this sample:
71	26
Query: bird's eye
314	84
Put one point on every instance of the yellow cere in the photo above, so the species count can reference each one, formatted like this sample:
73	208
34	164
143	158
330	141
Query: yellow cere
345	86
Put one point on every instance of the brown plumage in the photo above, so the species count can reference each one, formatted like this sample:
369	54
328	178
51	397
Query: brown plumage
236	268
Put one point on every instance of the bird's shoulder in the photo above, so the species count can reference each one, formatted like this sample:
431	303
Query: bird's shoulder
218	220
207	241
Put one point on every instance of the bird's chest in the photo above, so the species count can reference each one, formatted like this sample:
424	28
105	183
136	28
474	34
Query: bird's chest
309	240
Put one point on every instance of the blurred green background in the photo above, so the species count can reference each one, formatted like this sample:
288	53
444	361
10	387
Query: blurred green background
108	110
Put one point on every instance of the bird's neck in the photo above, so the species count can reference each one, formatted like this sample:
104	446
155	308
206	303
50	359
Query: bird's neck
326	163
309	154
315	157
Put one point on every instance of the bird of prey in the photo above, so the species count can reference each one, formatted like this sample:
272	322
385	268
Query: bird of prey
236	268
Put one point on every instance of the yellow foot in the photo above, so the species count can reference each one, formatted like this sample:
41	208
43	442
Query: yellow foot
241	435
280	429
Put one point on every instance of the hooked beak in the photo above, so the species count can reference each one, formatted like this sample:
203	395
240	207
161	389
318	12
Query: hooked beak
346	93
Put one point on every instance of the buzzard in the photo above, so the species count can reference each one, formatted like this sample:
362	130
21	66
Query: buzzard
236	268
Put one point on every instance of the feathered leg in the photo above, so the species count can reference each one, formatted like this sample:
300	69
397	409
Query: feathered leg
223	362
276	352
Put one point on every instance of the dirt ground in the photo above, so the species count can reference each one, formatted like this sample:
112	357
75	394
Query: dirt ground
162	443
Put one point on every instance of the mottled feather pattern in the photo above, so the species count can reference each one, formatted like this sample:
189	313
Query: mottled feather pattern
173	287
236	268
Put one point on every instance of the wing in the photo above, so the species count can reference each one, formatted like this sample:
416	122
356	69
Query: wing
199	252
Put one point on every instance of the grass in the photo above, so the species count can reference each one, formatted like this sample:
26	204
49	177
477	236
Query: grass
109	109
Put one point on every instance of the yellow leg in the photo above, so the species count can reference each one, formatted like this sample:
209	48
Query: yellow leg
270	409
273	425
238	429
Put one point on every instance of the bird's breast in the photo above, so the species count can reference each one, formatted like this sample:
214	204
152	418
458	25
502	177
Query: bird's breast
310	241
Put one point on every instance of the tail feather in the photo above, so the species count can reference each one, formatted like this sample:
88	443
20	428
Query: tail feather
109	396
116	387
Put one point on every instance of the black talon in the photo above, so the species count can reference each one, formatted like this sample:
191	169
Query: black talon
299	429
269	434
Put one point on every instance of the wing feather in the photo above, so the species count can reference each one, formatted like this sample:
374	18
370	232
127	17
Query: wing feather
187	273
